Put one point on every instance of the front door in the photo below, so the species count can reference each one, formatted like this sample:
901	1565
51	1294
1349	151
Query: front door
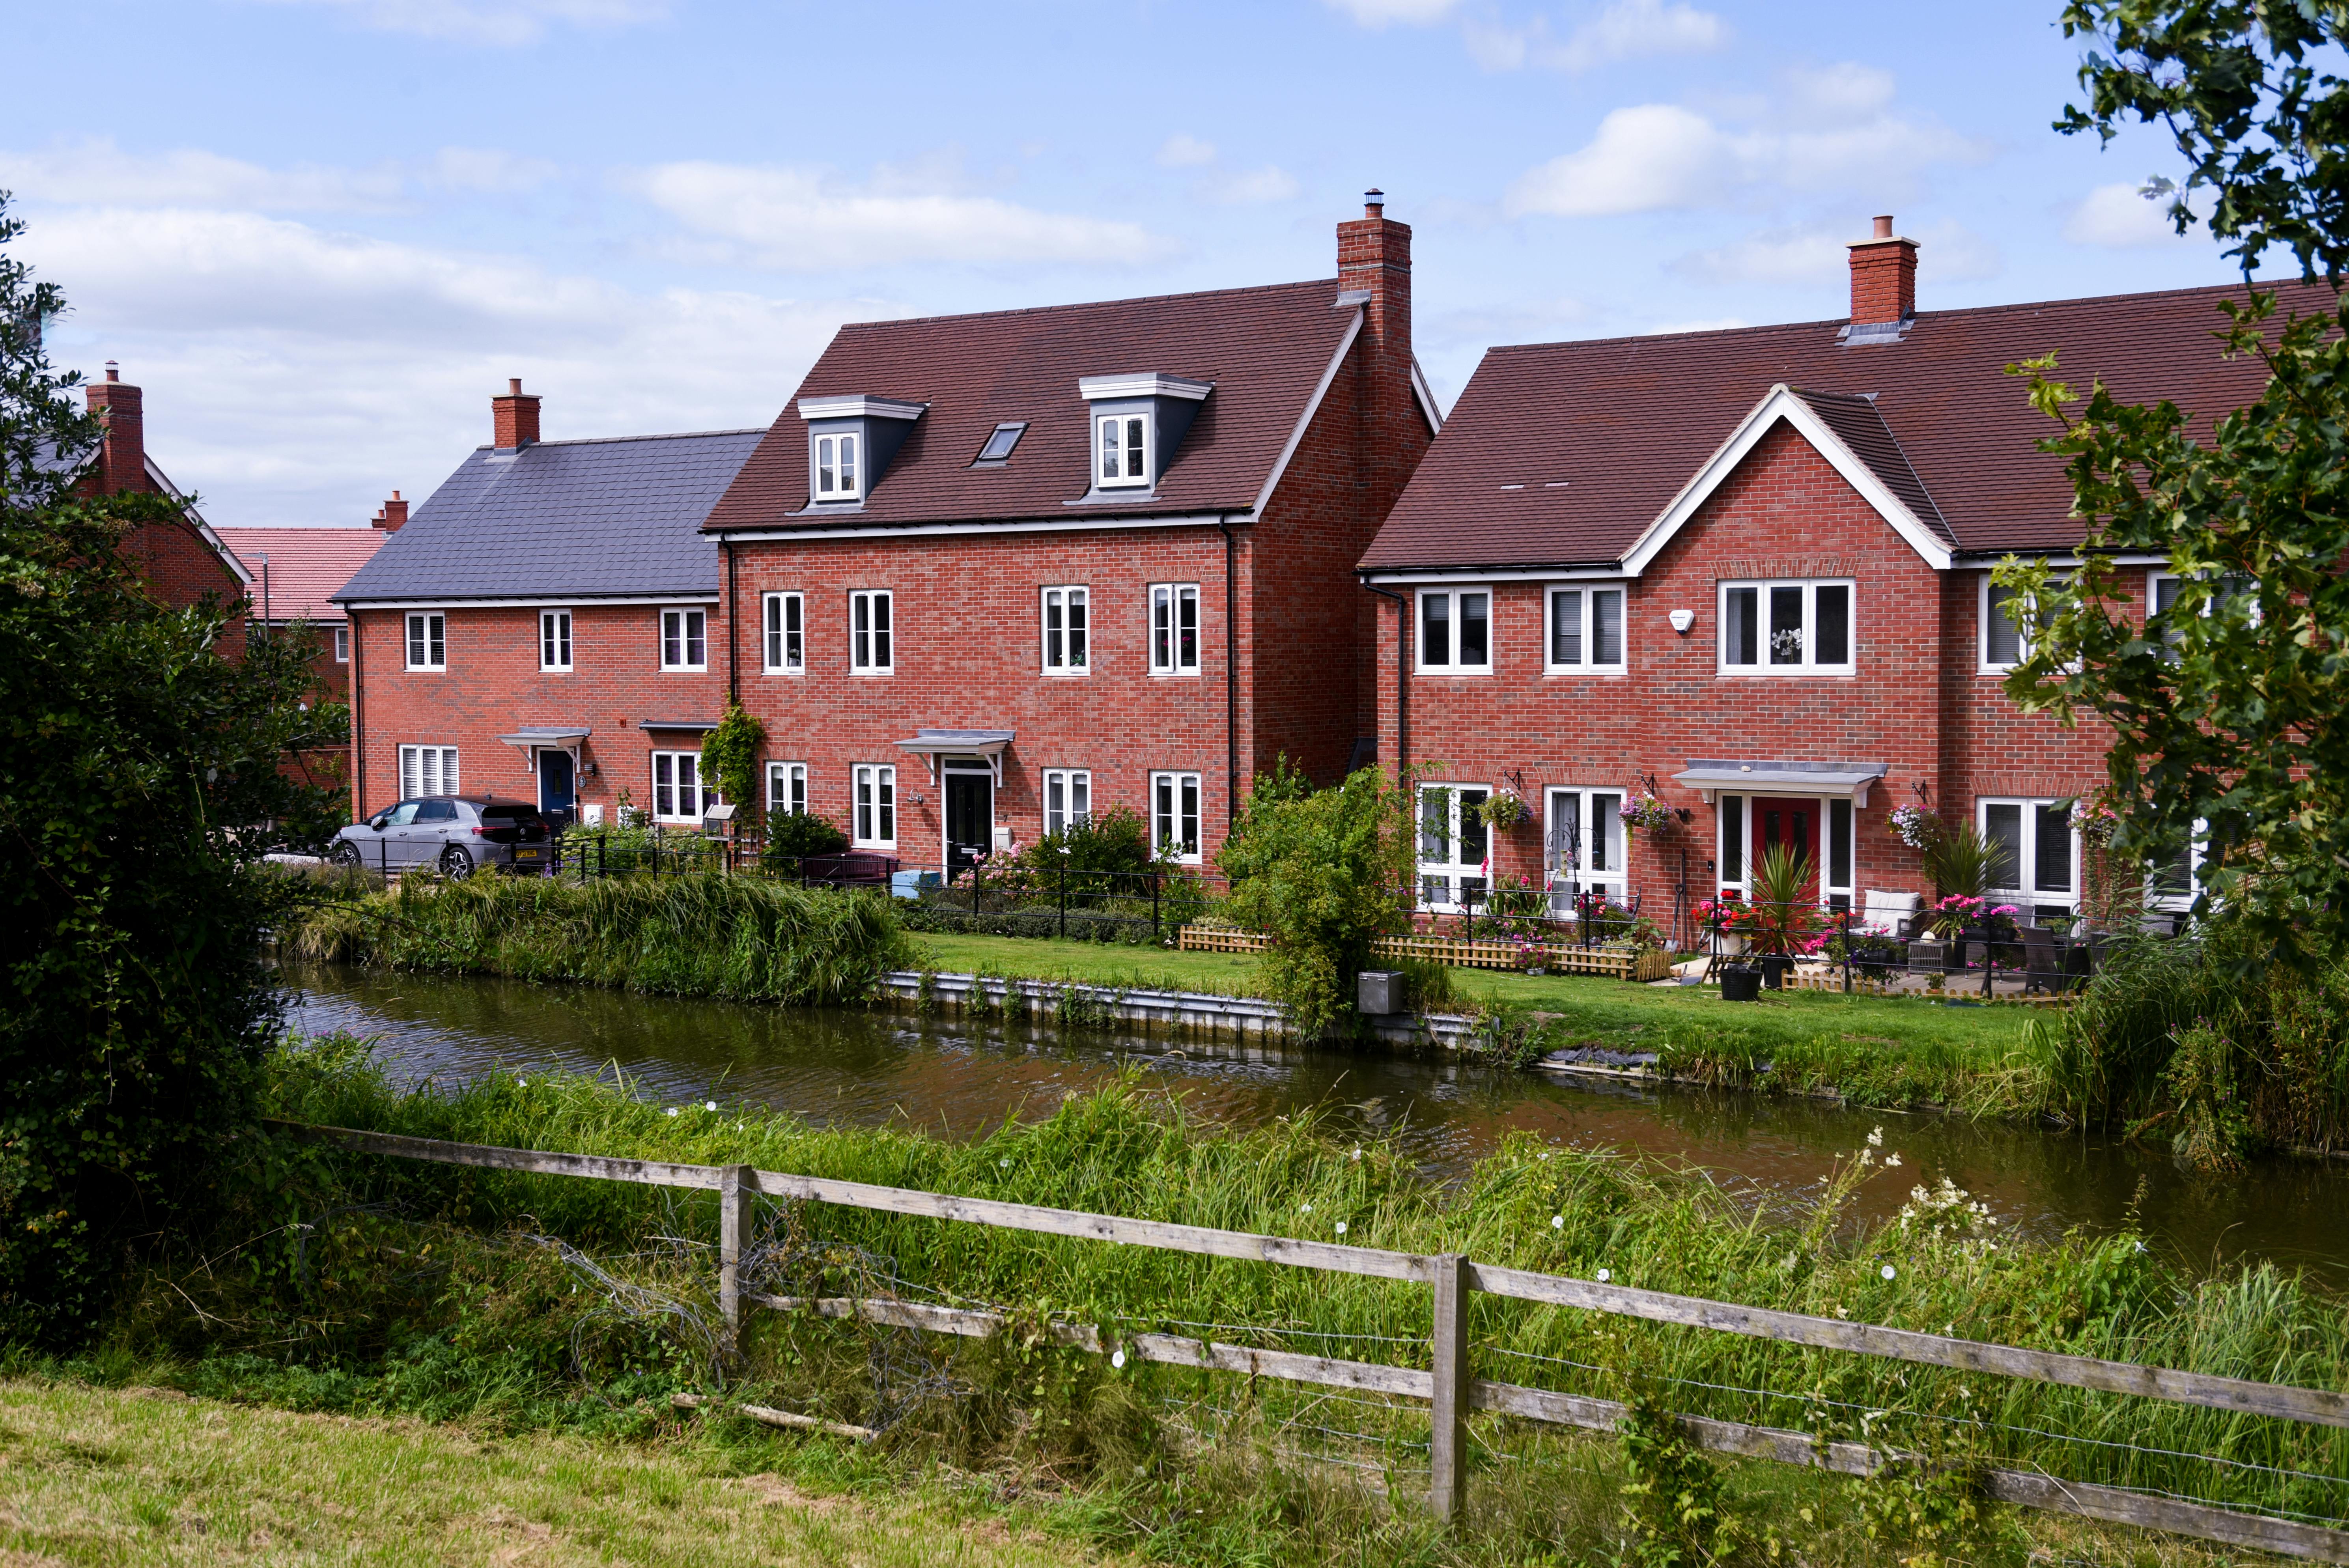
970	819
557	788
1793	822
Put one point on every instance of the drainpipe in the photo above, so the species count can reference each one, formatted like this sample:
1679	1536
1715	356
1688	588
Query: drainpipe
734	681
1402	678
358	727
1231	678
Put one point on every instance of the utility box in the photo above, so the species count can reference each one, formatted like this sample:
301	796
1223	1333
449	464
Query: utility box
1381	992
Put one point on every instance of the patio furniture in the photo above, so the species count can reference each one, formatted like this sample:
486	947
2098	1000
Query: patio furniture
2045	963
1894	912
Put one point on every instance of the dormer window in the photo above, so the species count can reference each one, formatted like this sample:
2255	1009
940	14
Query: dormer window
1124	449
835	467
850	443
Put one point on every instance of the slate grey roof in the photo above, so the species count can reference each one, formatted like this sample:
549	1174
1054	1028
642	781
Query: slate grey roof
563	520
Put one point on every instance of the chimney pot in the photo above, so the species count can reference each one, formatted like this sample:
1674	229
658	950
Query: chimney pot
1374	202
390	516
514	383
1883	232
113	371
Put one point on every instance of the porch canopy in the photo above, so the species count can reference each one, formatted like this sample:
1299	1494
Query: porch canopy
930	745
1709	777
548	737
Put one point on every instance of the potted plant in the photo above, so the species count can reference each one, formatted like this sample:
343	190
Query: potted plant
1502	810
1915	826
1741	980
1644	812
1784	909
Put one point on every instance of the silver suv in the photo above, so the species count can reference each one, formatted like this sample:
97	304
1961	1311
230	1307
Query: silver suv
451	833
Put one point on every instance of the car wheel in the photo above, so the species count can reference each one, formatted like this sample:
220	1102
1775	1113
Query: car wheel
347	853
456	862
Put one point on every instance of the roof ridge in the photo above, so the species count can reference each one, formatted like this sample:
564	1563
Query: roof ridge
1085	305
612	441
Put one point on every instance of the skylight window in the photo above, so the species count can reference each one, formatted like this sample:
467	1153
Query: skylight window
999	445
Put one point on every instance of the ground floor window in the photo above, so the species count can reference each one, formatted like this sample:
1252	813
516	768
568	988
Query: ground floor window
1585	846
2034	865
427	770
678	794
1175	816
342	645
1454	846
787	788
876	805
1068	799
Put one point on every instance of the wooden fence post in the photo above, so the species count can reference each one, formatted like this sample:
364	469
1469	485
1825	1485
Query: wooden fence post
1447	1477
733	1233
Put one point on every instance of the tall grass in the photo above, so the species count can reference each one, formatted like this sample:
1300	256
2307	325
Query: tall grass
1944	1268
738	938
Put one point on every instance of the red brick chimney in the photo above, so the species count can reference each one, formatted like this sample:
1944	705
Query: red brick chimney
1883	277
1374	259
391	514
515	416
122	459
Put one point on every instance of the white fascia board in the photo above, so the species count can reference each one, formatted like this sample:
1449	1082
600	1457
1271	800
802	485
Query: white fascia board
860	408
570	602
2067	560
1781	403
1427	396
1100	388
1410	575
1312	406
933	530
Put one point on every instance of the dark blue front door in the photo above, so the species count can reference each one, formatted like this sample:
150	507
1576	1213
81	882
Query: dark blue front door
557	789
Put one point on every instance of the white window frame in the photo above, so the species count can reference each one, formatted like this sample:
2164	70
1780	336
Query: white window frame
421	765
1068	797
1455	604
692	626
1065	619
872	815
1742	883
554	641
782	634
1169	603
1587	866
683	774
1986	665
1810	587
877	636
836	466
342	645
787	788
1178	800
1444	880
2029	897
1586	597
426	643
1127	476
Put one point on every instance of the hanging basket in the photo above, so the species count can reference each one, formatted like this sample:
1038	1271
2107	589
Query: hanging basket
1502	810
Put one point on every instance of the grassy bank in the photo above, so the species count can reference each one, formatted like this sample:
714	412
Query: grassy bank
440	1291
104	1475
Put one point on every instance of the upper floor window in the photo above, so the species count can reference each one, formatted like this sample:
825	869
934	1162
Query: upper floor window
869	633
786	634
1068	799
1124	445
342	645
428	641
1064	629
1175	628
1787	628
685	639
1455	631
2166	589
2003	644
837	469
1586	629
555	639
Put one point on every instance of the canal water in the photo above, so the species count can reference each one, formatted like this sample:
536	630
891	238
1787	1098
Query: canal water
961	1079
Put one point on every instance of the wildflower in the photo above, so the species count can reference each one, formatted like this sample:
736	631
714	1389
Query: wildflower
710	1105
1004	1162
1357	1151
1304	1208
1557	1222
1892	1158
1605	1274
672	1110
1889	1271
1876	1139
1341	1227
1117	1358
521	1083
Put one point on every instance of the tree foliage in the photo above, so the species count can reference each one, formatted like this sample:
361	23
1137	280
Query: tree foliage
1322	871
141	780
730	754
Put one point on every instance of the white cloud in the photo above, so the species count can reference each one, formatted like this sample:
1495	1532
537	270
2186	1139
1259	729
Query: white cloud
1810	256
1645	159
1183	150
1382	12
1249	188
503	21
2117	218
804	219
1699	324
96	173
485	169
1626	30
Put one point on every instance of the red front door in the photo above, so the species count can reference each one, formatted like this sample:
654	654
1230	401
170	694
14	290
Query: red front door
1795	822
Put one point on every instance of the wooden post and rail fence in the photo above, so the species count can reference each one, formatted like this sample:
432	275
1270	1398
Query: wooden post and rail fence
1449	1384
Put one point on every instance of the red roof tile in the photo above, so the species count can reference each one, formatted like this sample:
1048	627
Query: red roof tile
1264	348
306	565
1625	422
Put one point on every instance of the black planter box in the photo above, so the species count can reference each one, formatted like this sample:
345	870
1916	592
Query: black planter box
1741	985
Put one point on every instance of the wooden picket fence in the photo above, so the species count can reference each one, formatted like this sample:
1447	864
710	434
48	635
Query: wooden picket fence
1617	962
1449	1384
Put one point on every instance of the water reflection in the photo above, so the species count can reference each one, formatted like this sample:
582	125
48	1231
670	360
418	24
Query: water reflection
961	1079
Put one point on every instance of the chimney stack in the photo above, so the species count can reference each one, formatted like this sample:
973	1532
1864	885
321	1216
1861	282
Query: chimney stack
391	514
514	416
1883	277
122	457
1374	259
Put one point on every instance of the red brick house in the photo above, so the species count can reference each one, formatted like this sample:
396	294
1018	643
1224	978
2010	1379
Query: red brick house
184	561
1749	570
989	573
296	574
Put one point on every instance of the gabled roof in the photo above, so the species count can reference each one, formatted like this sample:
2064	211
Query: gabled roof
582	519
306	566
1267	351
1570	454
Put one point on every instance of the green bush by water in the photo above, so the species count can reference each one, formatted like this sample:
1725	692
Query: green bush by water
705	934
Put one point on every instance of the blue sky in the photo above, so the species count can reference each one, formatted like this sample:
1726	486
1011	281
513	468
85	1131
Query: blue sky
321	233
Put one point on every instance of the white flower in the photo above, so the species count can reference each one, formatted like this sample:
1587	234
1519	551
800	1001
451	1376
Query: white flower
1341	1227
1876	1139
521	1083
672	1110
1545	1153
1117	1358
1557	1222
1892	1158
1604	1275
1357	1151
1004	1162
1889	1271
1304	1208
710	1105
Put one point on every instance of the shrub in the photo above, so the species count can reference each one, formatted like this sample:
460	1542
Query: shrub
793	835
